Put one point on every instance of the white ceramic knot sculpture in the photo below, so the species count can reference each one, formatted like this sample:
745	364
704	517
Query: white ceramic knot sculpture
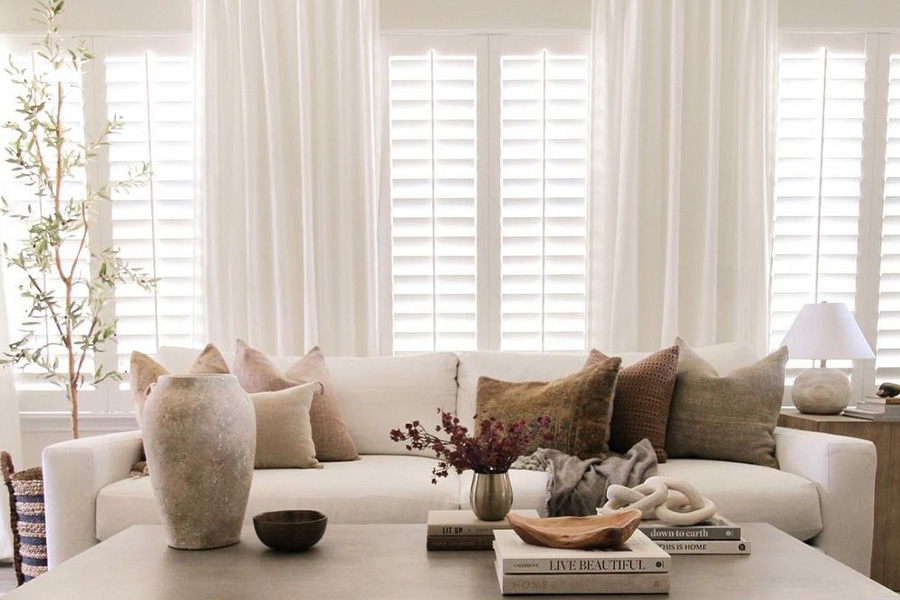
674	501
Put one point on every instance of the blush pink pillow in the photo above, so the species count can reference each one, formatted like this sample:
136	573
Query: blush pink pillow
256	373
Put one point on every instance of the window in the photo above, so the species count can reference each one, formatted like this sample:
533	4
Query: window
487	175
833	186
148	84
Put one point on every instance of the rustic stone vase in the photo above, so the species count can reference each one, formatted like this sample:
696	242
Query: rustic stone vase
200	439
491	495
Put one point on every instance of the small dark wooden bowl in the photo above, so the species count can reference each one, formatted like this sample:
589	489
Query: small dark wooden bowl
290	530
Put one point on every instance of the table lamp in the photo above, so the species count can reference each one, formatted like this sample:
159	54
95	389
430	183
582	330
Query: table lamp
823	331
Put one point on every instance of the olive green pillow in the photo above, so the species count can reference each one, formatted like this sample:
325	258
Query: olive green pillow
579	407
726	418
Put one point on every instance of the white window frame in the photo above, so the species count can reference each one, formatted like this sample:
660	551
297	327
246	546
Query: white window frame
488	49
877	47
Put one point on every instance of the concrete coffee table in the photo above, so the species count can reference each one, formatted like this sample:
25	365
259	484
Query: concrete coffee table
390	562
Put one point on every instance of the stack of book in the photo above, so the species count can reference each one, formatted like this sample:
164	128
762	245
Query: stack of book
638	567
875	408
718	535
462	530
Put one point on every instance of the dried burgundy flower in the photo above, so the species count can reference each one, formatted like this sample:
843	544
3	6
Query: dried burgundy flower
495	447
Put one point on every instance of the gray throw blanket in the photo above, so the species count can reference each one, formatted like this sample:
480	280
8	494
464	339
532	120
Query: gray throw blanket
578	487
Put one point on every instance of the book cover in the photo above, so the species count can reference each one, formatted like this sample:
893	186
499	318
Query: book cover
638	555
608	583
716	528
464	522
705	546
459	542
866	412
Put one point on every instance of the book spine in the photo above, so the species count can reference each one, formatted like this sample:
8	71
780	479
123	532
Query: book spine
466	542
705	547
650	583
554	566
692	533
464	530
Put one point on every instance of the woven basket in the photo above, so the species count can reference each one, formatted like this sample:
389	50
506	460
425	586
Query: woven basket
26	507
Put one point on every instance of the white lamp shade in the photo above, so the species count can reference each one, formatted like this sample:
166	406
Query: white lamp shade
824	331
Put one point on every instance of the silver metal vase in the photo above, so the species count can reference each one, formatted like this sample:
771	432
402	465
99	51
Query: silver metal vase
491	495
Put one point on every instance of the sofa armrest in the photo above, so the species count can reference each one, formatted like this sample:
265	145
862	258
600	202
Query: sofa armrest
843	469
74	473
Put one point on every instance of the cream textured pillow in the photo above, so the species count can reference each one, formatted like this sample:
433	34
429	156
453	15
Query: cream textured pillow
144	371
257	373
726	418
579	407
283	430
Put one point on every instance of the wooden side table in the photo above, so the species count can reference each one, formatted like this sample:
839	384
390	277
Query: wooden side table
886	437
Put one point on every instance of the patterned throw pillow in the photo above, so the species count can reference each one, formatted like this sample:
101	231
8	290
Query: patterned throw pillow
144	371
256	373
579	407
642	399
726	418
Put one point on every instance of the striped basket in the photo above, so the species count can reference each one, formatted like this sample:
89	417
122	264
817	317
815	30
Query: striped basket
26	504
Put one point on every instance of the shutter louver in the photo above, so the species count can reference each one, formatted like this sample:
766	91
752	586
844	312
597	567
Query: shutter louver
432	104
817	194
153	225
888	355
543	163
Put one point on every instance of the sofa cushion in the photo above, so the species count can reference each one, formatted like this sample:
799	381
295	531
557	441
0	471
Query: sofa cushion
579	407
144	371
257	374
643	396
728	417
746	493
374	489
522	366
376	394
284	437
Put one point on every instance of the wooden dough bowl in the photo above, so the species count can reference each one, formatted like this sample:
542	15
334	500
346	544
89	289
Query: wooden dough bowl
602	531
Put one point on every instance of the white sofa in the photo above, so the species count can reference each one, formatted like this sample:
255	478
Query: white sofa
822	494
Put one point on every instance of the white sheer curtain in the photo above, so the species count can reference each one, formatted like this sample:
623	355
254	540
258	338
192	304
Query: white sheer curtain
10	436
288	172
681	173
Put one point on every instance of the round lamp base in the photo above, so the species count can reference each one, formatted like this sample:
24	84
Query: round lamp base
821	391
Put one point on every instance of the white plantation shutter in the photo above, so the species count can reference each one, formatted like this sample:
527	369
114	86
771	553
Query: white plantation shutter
888	352
433	179
543	189
153	226
819	158
487	175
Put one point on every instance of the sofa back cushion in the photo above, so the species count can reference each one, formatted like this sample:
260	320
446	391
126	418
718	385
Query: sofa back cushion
376	394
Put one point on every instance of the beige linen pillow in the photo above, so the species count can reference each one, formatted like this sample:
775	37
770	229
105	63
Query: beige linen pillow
726	418
578	405
642	400
283	430
144	371
256	373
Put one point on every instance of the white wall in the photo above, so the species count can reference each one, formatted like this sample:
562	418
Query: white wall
97	16
485	15
839	15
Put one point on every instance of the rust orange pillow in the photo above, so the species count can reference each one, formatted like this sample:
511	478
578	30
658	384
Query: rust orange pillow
642	400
